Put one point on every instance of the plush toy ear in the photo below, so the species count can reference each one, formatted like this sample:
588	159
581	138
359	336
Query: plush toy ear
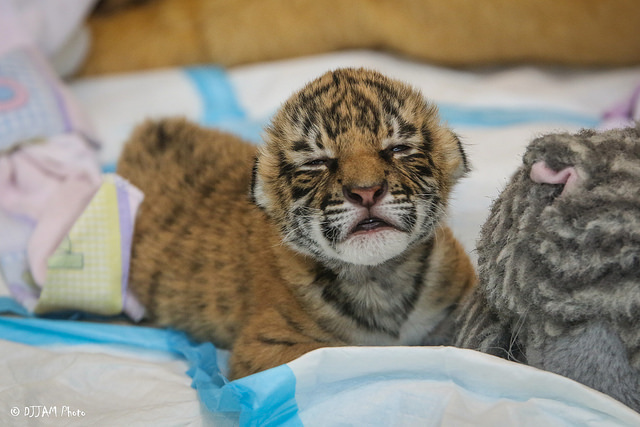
543	174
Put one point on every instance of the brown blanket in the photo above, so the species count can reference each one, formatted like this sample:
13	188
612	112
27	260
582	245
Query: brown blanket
157	33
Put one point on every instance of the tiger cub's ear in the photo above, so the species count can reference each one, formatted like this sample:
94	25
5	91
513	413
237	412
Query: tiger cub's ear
462	167
257	195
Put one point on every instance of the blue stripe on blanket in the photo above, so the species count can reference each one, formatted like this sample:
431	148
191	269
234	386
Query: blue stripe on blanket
219	102
267	398
465	116
220	106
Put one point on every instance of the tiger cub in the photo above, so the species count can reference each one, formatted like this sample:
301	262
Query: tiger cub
330	234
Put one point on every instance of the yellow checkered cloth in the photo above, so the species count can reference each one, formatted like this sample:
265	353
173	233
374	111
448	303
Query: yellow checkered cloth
85	273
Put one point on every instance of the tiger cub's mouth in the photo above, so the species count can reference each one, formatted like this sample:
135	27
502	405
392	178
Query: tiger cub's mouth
371	224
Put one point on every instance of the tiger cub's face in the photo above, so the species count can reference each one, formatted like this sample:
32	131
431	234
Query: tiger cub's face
356	168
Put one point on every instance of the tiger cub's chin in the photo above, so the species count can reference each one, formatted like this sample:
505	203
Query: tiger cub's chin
371	242
341	240
372	247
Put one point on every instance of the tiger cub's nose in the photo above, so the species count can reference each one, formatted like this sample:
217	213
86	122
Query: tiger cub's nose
365	196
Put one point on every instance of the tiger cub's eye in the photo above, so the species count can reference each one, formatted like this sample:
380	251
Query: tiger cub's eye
400	148
317	162
320	163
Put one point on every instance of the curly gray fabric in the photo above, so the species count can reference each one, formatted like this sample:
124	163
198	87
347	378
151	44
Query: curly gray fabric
559	268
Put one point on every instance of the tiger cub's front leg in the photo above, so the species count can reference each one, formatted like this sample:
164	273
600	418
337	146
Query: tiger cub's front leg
274	338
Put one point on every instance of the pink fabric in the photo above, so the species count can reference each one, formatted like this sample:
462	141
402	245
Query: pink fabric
543	174
50	184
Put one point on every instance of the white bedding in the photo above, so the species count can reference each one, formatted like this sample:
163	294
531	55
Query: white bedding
118	381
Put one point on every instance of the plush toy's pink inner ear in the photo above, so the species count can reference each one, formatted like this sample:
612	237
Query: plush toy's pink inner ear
543	174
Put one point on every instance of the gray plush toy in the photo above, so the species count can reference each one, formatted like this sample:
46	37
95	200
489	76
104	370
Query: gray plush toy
559	264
